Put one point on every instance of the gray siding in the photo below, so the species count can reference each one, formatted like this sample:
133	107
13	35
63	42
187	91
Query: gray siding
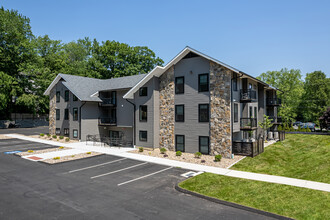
190	68
124	110
89	120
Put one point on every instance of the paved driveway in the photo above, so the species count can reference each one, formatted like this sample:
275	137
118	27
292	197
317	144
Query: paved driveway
103	187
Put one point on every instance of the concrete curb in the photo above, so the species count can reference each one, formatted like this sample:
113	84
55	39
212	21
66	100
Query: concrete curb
231	204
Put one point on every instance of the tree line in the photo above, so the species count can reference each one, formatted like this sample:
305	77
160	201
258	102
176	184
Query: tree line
28	63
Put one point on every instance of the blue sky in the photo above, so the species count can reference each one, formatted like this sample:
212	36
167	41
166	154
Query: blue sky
252	36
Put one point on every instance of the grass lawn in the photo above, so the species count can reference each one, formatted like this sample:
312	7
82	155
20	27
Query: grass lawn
299	156
294	202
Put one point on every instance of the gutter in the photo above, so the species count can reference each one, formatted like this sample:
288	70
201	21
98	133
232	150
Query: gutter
134	125
80	119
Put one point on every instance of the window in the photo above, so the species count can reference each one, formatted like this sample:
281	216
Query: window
66	131
143	135
75	114
251	113
66	95
203	82
74	98
255	112
58	131
179	85
113	97
250	86
143	112
179	113
235	112
204	144
75	133
203	112
66	114
58	114
235	82
179	143
143	91
58	96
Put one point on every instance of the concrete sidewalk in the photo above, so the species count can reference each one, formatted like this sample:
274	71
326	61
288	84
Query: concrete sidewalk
123	152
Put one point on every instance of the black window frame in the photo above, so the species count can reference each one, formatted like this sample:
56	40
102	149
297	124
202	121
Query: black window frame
74	98
73	132
176	142
66	114
199	82
177	91
199	113
74	118
58	131
66	95
58	96
143	91
250	112
255	112
58	114
199	144
66	131
141	134
235	112
176	118
141	115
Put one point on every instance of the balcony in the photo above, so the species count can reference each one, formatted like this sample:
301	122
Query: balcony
248	124
107	102
275	120
248	95
107	121
248	148
273	101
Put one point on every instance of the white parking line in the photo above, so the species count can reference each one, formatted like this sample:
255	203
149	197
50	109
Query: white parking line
141	177
101	164
116	171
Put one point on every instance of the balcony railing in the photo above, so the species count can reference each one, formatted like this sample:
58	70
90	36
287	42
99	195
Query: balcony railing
275	120
107	121
248	95
273	101
248	123
108	102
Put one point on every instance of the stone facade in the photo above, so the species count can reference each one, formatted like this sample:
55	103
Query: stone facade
166	109
52	112
220	107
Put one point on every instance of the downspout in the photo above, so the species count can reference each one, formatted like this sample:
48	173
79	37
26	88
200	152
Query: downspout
80	119
231	108
134	126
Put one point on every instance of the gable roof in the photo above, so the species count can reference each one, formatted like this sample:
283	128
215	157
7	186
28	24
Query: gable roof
158	70
85	88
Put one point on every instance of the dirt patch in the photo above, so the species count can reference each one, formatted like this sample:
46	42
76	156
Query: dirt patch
190	158
26	153
71	157
54	139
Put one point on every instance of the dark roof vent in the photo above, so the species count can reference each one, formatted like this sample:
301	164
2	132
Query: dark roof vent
190	55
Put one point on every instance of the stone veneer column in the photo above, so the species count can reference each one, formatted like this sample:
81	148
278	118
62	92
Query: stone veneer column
166	109
52	112
220	126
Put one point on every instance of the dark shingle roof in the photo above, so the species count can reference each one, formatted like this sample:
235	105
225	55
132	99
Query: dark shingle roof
84	87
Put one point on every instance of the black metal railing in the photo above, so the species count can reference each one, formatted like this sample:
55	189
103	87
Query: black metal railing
248	148
108	102
248	95
273	101
107	121
248	123
112	142
275	120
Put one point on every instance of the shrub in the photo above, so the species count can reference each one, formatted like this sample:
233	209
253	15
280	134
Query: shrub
67	139
48	135
42	134
140	149
198	154
56	158
163	150
54	136
61	147
61	137
217	158
280	128
30	151
178	153
308	130
89	153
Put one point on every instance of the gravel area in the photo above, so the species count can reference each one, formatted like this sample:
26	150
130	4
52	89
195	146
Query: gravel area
190	158
71	157
52	139
25	153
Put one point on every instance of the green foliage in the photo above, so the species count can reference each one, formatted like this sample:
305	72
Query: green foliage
42	134
266	123
163	150
217	158
89	153
61	137
54	136
178	153
30	151
198	154
280	128
48	135
56	158
61	147
141	149
67	139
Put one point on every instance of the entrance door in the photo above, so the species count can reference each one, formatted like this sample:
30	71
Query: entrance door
114	138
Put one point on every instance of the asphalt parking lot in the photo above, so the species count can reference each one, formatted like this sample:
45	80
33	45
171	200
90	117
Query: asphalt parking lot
26	131
102	187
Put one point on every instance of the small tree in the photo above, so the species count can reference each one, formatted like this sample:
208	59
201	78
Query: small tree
266	123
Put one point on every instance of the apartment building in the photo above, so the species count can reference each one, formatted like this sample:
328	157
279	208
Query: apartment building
193	104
